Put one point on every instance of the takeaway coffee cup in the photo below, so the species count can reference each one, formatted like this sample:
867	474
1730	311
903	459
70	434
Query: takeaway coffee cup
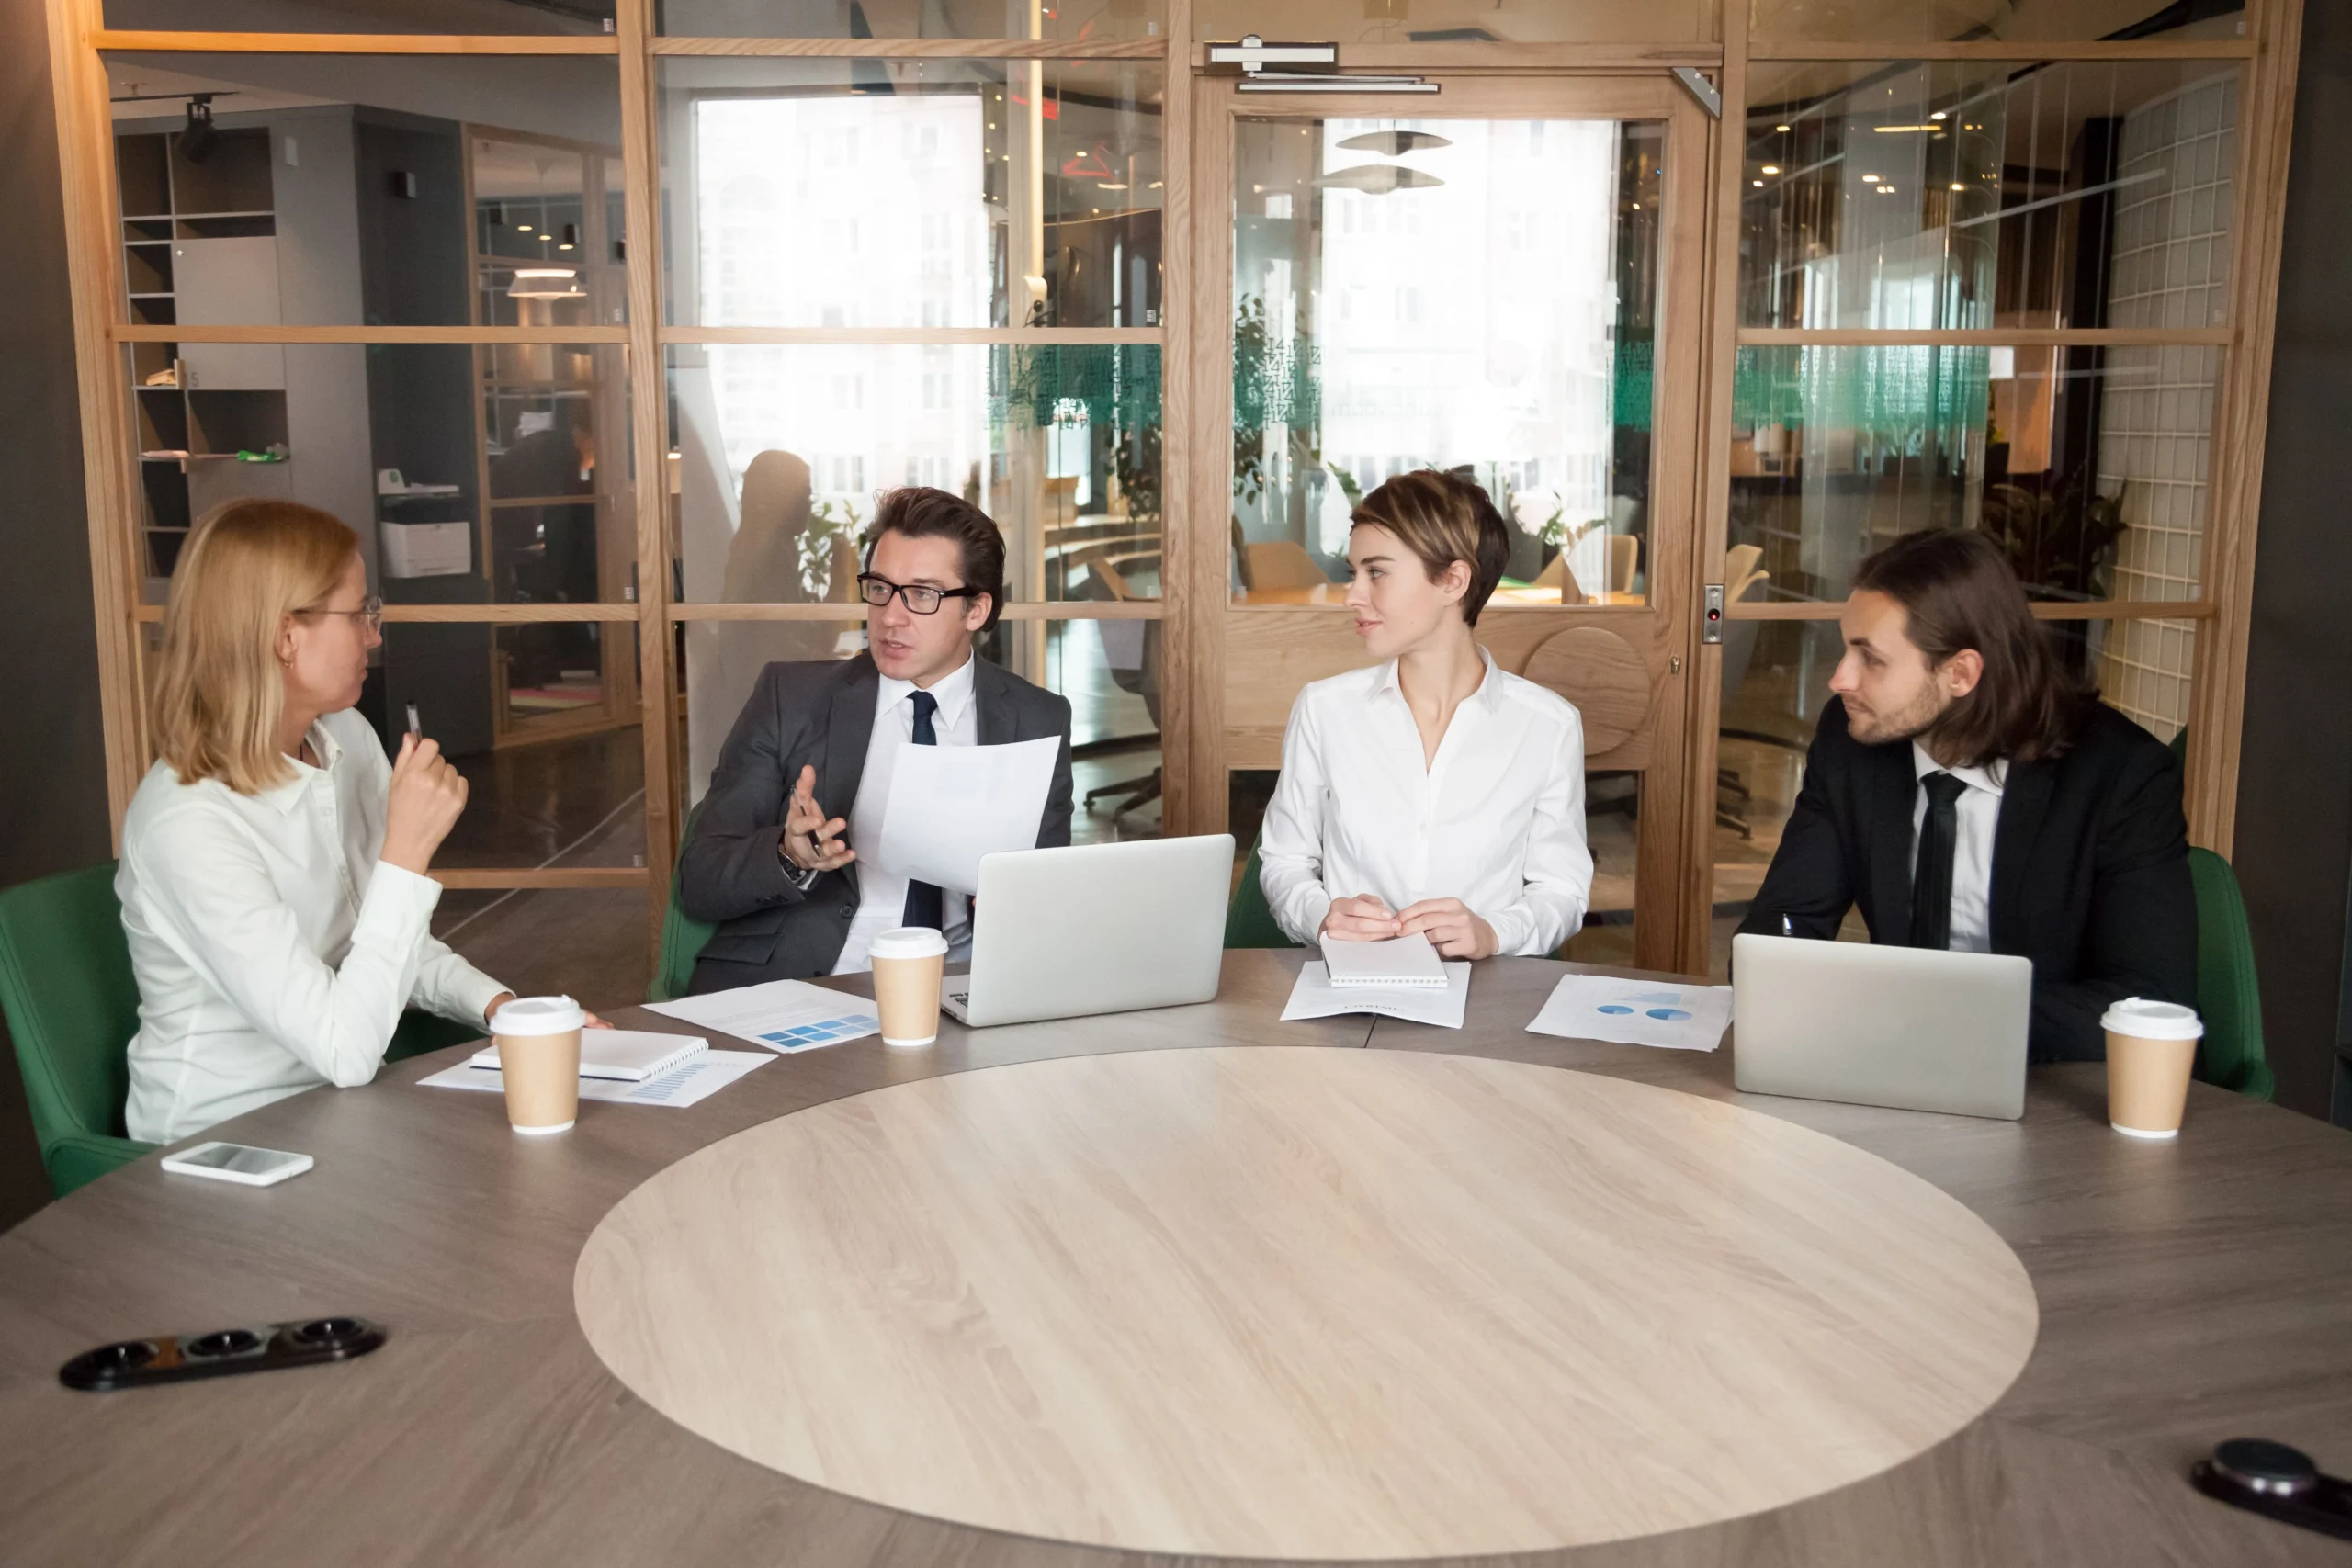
538	1055
908	964
2151	1046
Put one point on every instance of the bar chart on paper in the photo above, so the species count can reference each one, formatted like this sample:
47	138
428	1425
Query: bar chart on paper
783	1015
817	1031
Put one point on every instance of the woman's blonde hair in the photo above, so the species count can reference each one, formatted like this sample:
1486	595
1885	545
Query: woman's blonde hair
218	691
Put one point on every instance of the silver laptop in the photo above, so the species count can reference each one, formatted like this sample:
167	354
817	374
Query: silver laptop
1908	1027
1094	928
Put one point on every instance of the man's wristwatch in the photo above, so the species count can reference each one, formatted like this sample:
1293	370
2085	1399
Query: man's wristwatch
801	877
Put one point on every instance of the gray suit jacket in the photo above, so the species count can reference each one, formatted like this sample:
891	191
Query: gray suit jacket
818	715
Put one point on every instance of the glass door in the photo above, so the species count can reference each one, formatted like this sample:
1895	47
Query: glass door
1499	280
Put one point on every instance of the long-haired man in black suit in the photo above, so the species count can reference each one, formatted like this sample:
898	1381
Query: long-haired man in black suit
1966	792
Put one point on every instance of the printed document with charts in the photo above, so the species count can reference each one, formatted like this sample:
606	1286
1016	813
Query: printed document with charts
697	1078
1635	1013
783	1015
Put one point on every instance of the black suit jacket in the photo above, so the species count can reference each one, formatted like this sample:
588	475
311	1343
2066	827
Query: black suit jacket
2090	868
820	715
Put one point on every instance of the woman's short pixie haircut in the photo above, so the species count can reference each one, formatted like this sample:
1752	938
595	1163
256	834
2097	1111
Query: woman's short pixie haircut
1442	519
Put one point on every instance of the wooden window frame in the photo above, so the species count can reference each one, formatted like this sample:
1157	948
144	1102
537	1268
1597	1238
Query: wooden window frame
1195	600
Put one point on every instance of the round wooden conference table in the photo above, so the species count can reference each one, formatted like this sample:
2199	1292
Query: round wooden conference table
1804	1332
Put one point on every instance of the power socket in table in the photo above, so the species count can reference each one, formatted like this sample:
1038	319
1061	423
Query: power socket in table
222	1352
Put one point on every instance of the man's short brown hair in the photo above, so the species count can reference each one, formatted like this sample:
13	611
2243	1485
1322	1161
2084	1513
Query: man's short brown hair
921	512
1442	519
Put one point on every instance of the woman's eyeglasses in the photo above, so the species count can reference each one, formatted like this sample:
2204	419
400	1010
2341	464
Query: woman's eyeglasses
920	598
369	614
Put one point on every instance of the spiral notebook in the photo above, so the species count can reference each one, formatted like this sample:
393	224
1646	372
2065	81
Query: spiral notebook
632	1055
1400	961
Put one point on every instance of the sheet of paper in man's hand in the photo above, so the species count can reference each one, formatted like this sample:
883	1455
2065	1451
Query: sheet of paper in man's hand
950	804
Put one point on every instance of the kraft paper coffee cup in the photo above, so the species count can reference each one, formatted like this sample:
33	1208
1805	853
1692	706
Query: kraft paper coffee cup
538	1055
908	964
2151	1049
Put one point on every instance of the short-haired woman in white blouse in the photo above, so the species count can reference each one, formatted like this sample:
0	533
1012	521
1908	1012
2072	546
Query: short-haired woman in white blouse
273	878
1433	792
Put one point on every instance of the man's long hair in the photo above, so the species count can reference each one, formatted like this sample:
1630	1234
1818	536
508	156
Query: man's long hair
1959	593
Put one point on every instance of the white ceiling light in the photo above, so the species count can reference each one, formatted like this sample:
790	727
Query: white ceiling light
545	283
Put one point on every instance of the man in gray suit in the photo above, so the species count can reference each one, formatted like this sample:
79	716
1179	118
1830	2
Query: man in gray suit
767	862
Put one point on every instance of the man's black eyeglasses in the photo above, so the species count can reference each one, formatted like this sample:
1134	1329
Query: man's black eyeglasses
920	598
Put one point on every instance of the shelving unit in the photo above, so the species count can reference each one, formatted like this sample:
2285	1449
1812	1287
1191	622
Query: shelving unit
190	433
570	221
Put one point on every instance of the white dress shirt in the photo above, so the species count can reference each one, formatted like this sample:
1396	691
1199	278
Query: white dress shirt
274	951
1496	819
882	898
1978	809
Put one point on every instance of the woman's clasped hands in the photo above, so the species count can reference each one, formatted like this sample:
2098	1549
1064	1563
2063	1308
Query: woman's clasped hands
1450	925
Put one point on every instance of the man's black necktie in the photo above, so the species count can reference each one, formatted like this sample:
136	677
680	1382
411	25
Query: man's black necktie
923	902
1931	878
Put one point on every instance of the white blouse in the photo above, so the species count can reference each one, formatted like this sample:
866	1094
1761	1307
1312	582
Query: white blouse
274	951
1496	819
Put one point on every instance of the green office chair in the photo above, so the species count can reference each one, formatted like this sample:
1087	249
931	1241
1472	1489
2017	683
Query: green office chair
683	937
1249	922
2231	1054
421	1032
71	1006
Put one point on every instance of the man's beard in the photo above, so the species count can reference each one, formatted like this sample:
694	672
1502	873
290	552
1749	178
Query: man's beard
1915	719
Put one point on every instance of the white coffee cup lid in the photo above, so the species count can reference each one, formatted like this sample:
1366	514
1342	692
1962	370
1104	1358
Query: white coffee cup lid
2153	1020
907	941
538	1015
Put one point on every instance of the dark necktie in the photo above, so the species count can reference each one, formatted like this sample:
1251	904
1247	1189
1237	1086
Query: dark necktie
924	903
1931	878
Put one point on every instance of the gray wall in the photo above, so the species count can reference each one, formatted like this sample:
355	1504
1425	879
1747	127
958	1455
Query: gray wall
2294	825
53	777
317	201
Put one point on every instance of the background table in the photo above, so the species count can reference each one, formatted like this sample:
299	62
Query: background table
1336	593
2189	1292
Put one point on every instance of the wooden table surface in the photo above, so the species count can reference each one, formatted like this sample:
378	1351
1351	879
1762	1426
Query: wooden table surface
2188	1292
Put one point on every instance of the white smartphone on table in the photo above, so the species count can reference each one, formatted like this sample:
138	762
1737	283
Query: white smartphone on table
241	1163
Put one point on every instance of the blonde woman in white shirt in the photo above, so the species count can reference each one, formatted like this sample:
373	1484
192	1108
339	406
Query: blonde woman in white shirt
1433	792
273	878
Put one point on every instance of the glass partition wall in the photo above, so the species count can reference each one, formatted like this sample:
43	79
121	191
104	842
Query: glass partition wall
605	325
1983	293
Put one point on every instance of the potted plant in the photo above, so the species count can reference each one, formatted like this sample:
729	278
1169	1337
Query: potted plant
2060	540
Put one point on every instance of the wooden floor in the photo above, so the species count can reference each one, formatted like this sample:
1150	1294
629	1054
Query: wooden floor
1308	1303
